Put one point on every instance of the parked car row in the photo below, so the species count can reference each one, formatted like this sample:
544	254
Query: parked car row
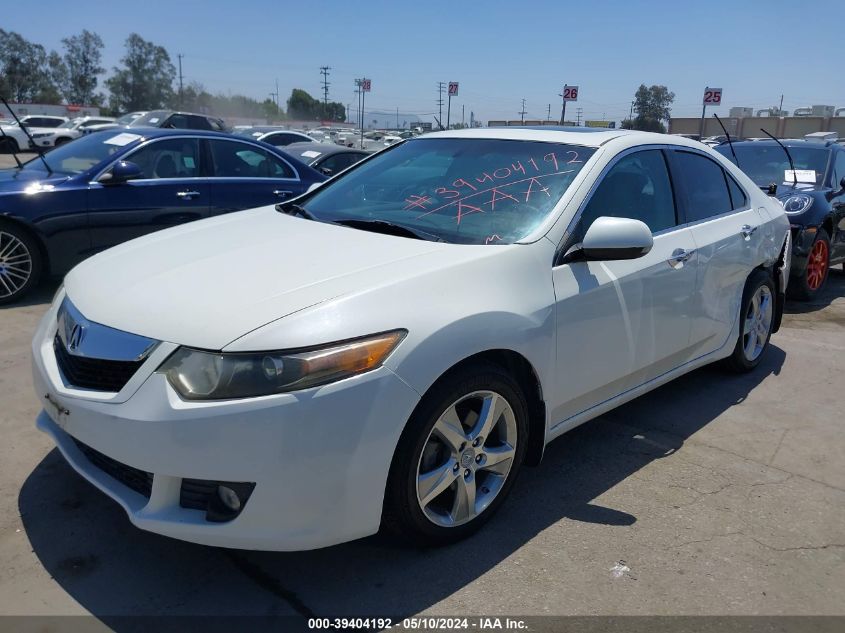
103	189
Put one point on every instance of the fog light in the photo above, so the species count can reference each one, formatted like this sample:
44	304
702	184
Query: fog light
229	498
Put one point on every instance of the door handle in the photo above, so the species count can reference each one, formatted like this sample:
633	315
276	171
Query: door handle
747	231
282	193
679	256
187	195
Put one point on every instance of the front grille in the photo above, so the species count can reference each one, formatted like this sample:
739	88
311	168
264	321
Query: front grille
93	373
138	480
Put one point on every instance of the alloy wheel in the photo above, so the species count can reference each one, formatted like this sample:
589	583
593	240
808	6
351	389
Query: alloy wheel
758	323
467	458
15	264
817	265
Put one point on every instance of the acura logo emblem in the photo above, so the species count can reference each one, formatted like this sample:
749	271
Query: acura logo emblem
74	338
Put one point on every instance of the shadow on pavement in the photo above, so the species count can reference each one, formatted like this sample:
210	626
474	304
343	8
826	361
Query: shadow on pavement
42	294
86	543
833	289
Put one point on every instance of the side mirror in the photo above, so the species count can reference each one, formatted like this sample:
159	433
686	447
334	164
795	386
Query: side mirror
842	184
122	171
616	238
326	171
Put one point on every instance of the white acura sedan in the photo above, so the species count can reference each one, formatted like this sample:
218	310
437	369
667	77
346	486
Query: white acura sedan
390	348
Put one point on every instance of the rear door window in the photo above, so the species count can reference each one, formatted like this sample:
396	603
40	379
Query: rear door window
738	198
233	159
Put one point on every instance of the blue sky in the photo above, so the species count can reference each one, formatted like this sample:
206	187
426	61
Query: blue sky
500	52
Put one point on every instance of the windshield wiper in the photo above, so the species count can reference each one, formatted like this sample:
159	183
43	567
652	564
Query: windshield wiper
390	228
295	209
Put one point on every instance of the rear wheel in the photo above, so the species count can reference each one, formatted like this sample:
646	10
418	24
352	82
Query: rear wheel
20	263
61	141
812	281
9	145
756	319
458	456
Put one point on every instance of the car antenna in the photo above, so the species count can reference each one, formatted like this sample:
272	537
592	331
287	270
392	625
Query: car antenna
728	136
788	155
28	135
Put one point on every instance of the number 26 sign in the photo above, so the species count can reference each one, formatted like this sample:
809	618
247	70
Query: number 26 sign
570	93
712	96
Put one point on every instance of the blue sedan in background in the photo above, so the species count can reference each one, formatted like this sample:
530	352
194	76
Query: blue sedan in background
110	187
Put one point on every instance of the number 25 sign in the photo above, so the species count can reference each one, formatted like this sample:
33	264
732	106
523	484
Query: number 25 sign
570	93
712	96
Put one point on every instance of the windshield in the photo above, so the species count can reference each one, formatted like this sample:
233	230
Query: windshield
766	164
462	190
70	124
74	158
150	119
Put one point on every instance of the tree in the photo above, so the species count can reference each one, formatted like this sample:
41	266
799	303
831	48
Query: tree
146	80
24	70
652	106
302	105
76	72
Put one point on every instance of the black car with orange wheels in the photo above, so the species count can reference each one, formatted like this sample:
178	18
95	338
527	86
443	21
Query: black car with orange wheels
813	196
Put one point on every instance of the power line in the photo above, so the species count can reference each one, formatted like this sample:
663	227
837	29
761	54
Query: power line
324	71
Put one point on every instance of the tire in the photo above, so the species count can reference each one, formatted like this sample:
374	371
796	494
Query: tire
806	287
756	320
20	262
9	145
61	141
445	516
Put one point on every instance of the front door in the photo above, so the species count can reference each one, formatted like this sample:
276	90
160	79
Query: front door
169	192
622	323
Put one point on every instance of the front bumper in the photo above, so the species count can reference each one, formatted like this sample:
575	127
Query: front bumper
319	457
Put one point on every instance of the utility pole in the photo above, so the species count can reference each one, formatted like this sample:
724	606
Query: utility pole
549	115
631	114
521	113
780	107
440	87
578	112
397	118
324	71
180	56
563	108
462	116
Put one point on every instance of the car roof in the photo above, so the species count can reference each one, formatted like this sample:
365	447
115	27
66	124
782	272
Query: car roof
586	136
159	132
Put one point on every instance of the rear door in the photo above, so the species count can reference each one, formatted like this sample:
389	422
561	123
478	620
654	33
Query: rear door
170	192
724	226
622	323
245	175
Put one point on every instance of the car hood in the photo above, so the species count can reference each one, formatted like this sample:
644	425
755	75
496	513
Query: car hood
28	180
208	283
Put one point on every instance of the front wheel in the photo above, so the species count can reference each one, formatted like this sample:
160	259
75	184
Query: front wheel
806	287
756	319
20	263
458	456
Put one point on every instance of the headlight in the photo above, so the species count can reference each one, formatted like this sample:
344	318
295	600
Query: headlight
797	203
200	375
41	134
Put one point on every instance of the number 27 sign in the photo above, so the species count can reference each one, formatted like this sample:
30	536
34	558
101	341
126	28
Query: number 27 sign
712	96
